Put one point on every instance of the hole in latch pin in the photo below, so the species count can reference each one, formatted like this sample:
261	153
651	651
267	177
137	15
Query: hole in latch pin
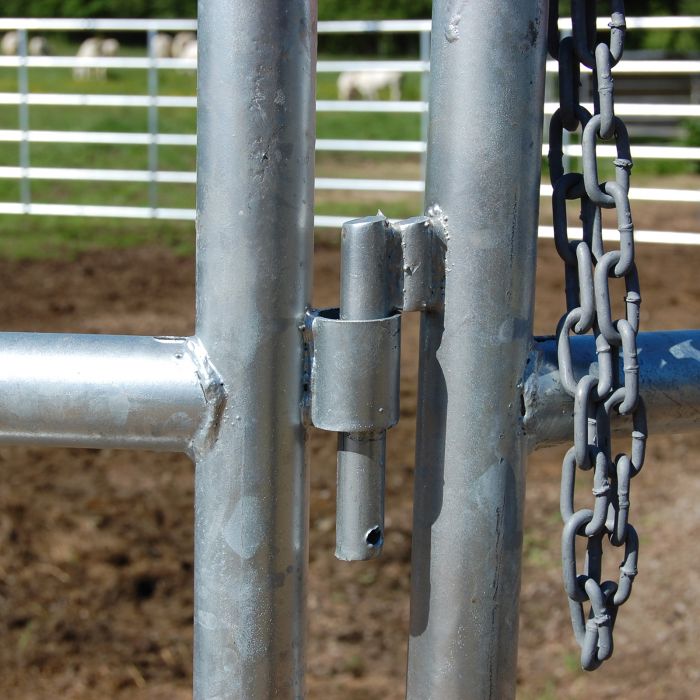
374	537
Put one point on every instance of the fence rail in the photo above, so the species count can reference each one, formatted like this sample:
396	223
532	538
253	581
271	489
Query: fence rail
636	67
649	194
154	101
324	27
625	109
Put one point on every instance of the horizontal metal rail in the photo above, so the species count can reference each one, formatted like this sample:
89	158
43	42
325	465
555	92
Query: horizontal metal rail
125	62
642	152
425	25
405	66
380	26
635	67
371	146
99	211
98	137
352	145
680	22
99	174
670	385
640	109
82	100
389	106
324	27
624	109
105	391
190	102
640	235
631	67
97	25
649	194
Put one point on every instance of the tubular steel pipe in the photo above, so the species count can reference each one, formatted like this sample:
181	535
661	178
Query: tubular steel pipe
95	391
254	249
486	104
364	295
669	384
23	117
152	120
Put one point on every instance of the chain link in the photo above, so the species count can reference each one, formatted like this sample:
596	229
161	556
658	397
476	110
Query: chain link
589	270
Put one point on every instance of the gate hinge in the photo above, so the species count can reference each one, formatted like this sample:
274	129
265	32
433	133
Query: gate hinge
352	360
354	378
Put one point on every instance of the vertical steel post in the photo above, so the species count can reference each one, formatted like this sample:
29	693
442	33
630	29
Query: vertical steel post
152	120
23	85
254	248
486	104
424	39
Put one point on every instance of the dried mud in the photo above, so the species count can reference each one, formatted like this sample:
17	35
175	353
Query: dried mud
96	545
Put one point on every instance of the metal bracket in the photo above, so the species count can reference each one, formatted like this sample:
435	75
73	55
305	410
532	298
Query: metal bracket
422	265
353	360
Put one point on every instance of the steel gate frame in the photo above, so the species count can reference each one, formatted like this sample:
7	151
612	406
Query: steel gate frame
231	395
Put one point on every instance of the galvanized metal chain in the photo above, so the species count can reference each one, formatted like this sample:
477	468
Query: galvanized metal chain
589	270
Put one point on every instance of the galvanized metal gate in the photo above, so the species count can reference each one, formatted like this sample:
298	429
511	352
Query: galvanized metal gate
237	396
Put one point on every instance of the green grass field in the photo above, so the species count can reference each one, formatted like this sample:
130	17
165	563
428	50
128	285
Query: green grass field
38	236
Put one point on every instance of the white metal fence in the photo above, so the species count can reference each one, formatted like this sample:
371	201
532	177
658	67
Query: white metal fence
24	172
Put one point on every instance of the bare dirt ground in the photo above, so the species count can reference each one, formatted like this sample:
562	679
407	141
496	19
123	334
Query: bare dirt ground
96	546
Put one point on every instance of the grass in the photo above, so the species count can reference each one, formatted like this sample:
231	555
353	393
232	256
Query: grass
24	237
41	237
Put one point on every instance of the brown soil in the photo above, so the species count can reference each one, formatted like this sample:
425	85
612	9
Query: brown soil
96	545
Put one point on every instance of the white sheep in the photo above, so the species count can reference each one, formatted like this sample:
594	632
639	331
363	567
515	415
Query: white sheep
368	84
38	46
189	50
109	48
162	45
180	41
95	48
9	44
90	48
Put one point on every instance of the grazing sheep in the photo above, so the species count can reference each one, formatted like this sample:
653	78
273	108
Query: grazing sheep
368	84
95	48
109	48
38	46
162	45
190	50
181	40
90	48
9	44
